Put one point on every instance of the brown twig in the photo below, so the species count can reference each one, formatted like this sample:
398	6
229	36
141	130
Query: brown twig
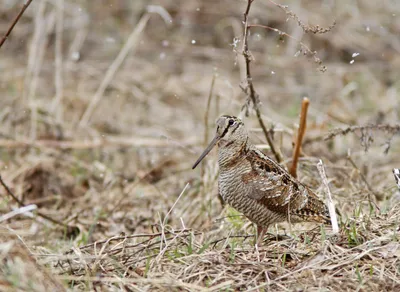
5	37
21	204
252	94
300	135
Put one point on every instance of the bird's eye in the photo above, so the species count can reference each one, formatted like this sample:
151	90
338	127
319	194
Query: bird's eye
231	122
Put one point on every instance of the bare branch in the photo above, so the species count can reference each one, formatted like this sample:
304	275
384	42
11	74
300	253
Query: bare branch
394	129
303	48
5	37
316	29
252	95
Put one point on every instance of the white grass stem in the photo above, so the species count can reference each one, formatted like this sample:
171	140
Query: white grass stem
329	201
18	211
166	217
173	206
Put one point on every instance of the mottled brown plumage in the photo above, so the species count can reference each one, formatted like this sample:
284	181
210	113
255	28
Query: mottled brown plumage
257	186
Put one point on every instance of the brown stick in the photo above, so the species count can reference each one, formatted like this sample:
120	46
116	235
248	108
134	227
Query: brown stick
21	204
14	22
253	95
300	135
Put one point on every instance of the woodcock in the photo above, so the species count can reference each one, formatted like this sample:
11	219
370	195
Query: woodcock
256	185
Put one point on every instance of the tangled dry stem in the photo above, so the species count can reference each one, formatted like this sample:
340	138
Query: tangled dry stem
391	129
191	262
252	95
316	29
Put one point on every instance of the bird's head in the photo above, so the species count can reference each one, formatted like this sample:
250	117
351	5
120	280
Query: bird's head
231	132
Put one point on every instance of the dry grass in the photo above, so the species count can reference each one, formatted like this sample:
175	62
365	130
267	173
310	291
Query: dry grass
120	174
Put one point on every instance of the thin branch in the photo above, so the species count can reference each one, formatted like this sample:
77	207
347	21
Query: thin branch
394	129
10	193
252	94
303	48
316	29
5	37
300	135
21	204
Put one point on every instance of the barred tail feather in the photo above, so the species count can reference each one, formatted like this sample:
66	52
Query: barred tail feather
314	210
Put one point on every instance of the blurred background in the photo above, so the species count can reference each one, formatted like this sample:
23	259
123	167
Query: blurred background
103	104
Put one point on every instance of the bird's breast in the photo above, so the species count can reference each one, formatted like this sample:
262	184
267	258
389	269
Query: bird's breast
231	184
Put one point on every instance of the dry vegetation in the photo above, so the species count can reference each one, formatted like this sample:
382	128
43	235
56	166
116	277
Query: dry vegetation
102	115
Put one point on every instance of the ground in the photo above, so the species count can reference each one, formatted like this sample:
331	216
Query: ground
103	111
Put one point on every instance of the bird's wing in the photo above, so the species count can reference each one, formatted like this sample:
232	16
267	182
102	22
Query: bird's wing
275	188
276	193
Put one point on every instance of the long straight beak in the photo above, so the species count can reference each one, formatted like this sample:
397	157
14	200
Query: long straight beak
208	149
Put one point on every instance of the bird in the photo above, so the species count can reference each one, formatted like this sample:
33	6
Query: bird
257	186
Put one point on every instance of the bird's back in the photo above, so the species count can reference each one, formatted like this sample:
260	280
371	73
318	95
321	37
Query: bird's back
264	192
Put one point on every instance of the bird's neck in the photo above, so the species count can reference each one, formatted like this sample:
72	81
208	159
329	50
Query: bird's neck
230	152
